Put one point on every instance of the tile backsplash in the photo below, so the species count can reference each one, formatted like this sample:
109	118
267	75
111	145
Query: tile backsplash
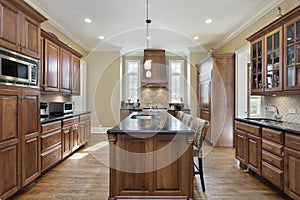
284	104
155	95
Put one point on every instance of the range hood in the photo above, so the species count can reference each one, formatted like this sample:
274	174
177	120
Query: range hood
158	70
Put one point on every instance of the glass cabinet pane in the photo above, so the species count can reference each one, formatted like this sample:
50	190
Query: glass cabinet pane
290	34
259	65
298	31
276	41
276	78
269	44
297	54
259	49
254	50
291	76
269	62
290	55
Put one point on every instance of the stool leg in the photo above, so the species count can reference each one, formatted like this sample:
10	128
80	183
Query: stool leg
201	173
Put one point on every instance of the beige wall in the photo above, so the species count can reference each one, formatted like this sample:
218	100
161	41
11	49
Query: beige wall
240	41
103	92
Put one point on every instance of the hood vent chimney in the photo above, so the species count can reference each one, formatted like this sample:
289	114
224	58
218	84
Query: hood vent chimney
158	70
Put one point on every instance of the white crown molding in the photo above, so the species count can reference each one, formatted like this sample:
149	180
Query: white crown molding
256	14
55	22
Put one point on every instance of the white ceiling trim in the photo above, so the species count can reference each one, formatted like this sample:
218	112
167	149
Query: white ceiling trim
258	13
55	22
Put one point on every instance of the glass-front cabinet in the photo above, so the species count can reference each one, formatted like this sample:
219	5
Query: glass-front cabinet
292	55
273	62
257	65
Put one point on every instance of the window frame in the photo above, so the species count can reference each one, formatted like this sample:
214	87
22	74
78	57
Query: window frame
181	74
127	74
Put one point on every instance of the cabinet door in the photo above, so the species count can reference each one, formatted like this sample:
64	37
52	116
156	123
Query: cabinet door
75	75
30	39
273	62
51	66
65	71
292	55
241	148
10	25
292	173
10	179
30	119
81	132
257	67
254	153
67	138
75	137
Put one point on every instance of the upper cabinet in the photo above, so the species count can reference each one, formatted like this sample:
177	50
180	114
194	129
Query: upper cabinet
20	27
60	66
292	54
274	51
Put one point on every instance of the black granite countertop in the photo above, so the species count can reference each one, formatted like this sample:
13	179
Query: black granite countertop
51	118
151	123
281	125
141	109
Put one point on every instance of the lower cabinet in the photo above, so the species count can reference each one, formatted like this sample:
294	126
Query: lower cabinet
248	146
292	166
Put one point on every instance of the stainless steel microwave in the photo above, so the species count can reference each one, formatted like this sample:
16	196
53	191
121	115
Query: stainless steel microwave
61	108
18	69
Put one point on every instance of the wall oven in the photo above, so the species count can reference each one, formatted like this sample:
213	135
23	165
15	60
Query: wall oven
18	69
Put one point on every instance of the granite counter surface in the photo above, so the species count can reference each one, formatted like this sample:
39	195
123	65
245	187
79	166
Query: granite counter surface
51	118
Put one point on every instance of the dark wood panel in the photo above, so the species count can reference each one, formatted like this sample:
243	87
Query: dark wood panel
65	71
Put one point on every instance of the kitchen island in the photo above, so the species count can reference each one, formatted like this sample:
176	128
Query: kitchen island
151	157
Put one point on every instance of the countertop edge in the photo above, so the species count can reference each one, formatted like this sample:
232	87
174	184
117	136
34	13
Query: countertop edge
77	113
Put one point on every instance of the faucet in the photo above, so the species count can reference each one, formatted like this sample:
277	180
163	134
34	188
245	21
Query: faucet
277	115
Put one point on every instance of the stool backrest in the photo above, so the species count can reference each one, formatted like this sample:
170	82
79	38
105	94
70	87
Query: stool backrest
200	127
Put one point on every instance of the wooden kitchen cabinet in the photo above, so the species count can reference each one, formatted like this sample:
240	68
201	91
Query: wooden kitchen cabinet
10	145
65	71
248	146
216	97
84	129
75	75
61	66
292	166
69	125
50	77
275	61
20	27
30	120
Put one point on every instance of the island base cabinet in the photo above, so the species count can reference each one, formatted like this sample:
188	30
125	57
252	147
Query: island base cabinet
155	167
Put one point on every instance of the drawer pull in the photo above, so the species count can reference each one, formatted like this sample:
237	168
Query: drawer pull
242	137
269	159
269	135
269	175
269	148
296	143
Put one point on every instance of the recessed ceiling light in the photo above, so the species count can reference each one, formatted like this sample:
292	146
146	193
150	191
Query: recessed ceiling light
208	21
101	37
196	37
88	20
148	37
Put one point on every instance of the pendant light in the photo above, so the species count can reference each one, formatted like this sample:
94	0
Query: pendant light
147	64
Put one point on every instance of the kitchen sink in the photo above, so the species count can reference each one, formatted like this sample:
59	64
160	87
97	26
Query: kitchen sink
142	116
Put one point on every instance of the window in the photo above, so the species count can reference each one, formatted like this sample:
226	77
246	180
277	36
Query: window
176	85
132	80
255	106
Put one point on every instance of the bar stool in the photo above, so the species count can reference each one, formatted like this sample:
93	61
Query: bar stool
187	118
180	115
200	127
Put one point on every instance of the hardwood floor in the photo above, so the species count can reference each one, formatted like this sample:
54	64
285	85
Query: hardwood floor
84	175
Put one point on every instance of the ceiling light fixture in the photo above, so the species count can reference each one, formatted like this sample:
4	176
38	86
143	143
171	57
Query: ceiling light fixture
208	21
279	13
196	37
101	37
147	64
88	20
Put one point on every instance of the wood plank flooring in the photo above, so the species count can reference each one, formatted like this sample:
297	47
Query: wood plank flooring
84	175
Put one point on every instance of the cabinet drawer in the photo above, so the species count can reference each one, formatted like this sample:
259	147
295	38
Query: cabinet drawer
272	159
272	147
84	117
255	130
51	139
292	141
272	174
50	157
272	135
70	121
51	126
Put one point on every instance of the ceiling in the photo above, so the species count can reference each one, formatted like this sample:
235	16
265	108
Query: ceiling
174	22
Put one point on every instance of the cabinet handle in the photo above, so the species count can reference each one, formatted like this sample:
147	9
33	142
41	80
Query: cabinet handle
269	175
242	137
294	142
269	148
269	135
269	159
